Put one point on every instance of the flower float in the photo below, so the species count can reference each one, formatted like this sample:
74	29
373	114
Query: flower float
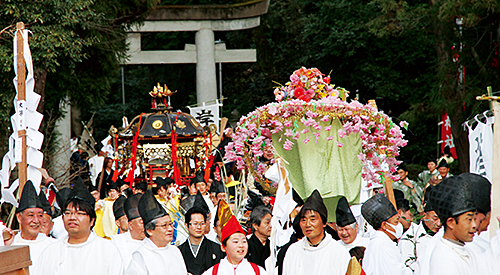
325	139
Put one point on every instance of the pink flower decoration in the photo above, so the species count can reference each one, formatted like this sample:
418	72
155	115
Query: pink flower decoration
340	145
329	138
306	140
288	145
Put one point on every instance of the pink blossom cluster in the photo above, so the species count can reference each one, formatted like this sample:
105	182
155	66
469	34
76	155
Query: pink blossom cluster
375	129
305	102
308	84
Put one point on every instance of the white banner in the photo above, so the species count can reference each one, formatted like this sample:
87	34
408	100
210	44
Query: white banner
207	114
481	148
25	118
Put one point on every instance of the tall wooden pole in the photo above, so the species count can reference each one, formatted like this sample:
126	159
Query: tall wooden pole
495	180
21	97
495	184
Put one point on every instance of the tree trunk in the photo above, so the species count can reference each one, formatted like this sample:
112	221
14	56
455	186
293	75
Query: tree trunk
449	88
40	79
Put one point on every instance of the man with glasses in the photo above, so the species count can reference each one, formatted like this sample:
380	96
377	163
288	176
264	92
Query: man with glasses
82	251
156	255
30	217
199	252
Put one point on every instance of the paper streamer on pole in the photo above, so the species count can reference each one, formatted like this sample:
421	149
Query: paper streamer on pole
281	224
25	118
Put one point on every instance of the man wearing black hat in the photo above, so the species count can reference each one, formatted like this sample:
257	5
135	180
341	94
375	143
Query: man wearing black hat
217	192
156	255
58	230
199	253
47	222
82	252
347	227
382	256
140	187
317	253
454	203
107	220
415	239
480	246
29	214
121	220
201	186
129	241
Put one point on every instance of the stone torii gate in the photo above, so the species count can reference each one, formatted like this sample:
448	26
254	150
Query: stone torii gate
205	20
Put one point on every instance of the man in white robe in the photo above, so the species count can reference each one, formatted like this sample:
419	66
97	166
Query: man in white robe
131	240
347	227
454	203
156	255
82	252
30	217
382	256
412	244
317	253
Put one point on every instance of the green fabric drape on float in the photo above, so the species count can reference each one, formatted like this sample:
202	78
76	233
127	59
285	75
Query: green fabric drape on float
325	166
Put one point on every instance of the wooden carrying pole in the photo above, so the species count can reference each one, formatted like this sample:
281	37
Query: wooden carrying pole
495	181
21	96
389	191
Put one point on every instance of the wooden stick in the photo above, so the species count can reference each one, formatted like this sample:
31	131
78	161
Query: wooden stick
495	180
21	95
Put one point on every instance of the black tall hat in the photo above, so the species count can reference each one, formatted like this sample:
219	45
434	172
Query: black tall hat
253	201
343	213
443	163
120	182
44	203
377	209
80	191
428	206
92	188
160	182
143	185
398	195
452	197
218	187
188	203
113	185
402	166
118	209
130	206
296	197
150	208
29	198
315	203
199	202
481	191
198	178
62	196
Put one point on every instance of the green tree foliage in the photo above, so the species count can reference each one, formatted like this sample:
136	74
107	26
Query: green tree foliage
478	35
77	46
335	37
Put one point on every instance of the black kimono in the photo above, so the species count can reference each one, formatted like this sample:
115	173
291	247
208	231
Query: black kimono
258	253
209	254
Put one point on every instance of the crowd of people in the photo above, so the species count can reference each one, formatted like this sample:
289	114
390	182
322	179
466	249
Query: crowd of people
437	224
